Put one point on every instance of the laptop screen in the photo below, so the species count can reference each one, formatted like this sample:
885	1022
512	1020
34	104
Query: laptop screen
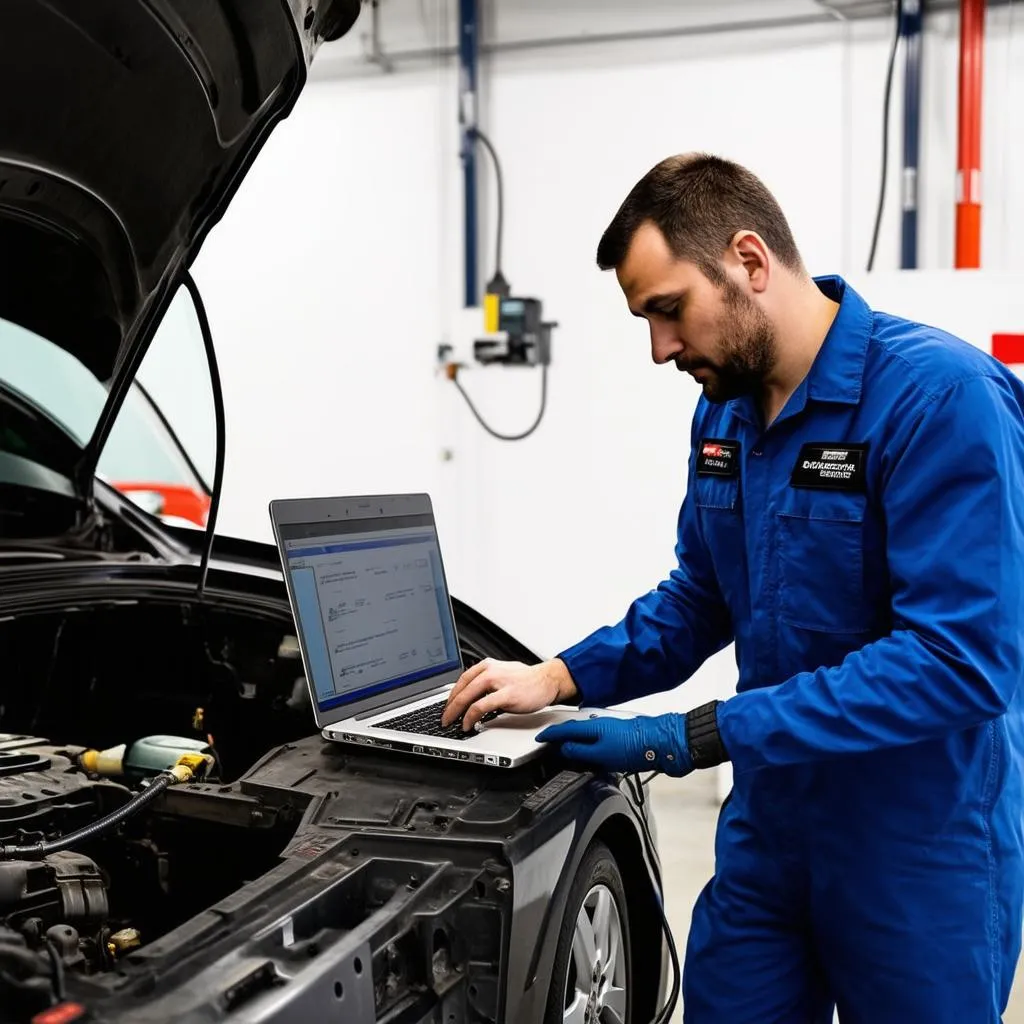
371	603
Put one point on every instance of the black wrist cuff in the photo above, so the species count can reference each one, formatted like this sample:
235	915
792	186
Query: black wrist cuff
702	737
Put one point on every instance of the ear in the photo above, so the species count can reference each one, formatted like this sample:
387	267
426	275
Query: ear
749	251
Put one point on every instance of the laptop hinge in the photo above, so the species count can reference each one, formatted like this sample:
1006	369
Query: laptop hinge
398	703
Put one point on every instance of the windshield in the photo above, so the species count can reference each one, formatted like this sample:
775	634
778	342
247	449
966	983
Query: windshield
52	379
147	455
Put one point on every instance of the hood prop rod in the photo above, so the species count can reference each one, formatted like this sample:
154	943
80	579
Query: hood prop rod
218	412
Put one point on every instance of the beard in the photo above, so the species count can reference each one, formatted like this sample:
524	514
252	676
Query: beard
747	350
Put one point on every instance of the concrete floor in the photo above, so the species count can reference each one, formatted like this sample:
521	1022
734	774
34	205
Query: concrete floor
686	813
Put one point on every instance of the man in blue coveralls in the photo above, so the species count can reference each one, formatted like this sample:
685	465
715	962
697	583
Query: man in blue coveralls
854	522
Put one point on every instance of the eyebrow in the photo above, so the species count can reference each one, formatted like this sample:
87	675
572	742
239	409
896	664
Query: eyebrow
656	303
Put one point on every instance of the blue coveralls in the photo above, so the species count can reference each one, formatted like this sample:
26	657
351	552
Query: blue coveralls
866	555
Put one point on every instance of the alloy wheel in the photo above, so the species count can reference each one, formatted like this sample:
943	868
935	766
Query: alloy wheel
595	985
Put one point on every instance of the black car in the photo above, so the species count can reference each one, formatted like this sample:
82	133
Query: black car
177	843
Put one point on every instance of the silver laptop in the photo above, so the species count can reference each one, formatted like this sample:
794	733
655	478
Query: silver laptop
376	631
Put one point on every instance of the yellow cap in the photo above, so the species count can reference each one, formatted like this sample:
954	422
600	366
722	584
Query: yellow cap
190	766
104	762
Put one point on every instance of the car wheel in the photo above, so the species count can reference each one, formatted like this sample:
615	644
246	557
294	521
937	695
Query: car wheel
590	981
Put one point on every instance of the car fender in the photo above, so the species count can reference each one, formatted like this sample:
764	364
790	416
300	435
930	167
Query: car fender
544	865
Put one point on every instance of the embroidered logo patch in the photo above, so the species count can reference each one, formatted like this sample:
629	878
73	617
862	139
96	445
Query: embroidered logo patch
836	467
718	458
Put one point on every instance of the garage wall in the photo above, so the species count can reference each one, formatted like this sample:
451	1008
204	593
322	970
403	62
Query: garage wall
338	271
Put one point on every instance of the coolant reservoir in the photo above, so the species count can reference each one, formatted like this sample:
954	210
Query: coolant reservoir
154	754
147	756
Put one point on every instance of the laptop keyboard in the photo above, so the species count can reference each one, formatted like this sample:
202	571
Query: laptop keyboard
426	721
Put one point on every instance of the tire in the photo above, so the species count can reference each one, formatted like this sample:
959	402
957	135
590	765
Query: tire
604	996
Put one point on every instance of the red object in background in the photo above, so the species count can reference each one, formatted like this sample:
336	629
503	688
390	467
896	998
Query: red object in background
178	501
968	174
1008	348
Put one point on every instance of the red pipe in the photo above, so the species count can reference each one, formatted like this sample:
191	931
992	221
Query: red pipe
968	175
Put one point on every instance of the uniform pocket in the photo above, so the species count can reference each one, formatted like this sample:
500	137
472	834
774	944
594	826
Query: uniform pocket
721	522
821	563
716	492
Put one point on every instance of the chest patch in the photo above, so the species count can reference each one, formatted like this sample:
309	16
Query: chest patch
834	467
718	457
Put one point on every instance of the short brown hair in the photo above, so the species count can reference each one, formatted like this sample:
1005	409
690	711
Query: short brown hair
699	202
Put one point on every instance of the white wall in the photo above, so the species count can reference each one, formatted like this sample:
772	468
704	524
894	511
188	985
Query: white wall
339	269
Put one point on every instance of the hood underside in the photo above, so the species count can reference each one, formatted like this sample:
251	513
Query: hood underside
125	128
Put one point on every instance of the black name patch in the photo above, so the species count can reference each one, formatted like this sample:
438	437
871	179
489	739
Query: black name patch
718	458
837	466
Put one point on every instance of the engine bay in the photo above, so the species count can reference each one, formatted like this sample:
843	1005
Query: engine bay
119	667
110	696
83	908
42	795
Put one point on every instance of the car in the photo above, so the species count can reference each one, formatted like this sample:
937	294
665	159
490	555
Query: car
177	841
143	458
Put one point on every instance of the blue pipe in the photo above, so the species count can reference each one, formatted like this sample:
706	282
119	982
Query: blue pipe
469	53
910	29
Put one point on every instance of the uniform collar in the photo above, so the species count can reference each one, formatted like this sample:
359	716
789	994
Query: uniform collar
837	373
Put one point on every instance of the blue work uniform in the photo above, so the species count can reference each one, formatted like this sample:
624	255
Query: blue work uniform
865	553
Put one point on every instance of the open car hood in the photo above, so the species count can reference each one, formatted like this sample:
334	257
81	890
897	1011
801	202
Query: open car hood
125	130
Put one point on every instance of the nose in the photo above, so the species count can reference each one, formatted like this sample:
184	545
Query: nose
665	343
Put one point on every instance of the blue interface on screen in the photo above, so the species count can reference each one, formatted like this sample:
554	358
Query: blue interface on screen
373	610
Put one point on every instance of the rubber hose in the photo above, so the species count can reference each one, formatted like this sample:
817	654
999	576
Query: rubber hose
140	800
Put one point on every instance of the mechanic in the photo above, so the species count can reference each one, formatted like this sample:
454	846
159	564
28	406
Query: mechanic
854	522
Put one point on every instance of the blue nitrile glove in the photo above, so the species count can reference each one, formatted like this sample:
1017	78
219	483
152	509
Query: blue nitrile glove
637	744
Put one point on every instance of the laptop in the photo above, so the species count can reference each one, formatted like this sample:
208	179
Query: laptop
376	631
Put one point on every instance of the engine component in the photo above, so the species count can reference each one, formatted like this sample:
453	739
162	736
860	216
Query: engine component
184	770
104	762
66	944
63	887
83	891
40	793
27	977
145	757
124	941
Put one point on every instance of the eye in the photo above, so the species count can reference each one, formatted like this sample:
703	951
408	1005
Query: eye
672	313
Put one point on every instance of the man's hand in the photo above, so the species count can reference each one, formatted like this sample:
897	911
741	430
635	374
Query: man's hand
507	686
625	744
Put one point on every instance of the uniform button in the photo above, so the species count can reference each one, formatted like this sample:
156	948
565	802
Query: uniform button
650	755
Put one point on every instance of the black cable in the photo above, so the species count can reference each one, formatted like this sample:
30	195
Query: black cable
665	1015
885	132
218	412
57	961
510	437
35	851
499	179
673	997
21	969
173	434
645	782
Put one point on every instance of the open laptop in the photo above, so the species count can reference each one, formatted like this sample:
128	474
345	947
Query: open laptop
376	631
